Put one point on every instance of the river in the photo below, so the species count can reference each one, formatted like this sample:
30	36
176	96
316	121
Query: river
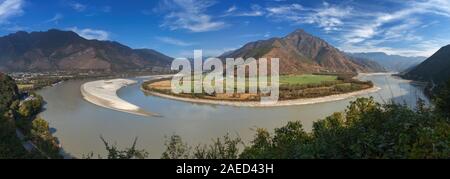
78	124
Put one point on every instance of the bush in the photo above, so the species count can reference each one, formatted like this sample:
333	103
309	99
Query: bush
221	148
442	100
365	130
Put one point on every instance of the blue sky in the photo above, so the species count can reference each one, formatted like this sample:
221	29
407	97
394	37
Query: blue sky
176	27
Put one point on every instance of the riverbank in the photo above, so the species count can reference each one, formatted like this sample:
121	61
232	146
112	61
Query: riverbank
104	93
295	102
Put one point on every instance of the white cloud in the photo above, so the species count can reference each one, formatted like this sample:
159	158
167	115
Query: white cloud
327	17
78	6
361	28
374	33
91	33
285	9
255	11
190	15
404	17
10	8
231	9
55	19
173	41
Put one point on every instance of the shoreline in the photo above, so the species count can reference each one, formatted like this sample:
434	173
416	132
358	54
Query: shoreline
294	102
103	93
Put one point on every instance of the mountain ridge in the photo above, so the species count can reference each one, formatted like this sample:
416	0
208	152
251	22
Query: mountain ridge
299	52
66	50
390	62
435	69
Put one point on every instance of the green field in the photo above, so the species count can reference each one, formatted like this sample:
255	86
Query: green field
291	87
306	79
301	79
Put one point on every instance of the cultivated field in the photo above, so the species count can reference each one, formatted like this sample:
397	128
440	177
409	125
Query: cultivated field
291	87
306	79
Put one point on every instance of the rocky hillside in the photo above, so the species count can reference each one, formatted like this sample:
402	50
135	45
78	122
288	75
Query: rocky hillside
300	52
66	50
435	69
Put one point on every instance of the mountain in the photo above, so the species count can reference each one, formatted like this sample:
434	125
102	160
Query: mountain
157	58
390	62
66	50
299	52
435	69
371	65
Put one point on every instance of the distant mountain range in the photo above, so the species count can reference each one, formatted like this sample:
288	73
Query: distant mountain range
395	63
300	52
435	69
373	66
66	50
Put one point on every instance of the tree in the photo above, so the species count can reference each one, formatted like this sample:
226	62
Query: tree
40	127
261	146
225	148
115	153
442	100
176	149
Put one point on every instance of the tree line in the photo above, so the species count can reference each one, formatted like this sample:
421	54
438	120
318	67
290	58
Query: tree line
18	112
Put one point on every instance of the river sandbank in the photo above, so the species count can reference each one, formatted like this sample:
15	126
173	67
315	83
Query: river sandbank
104	93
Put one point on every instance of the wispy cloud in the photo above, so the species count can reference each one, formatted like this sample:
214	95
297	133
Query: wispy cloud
376	32
328	17
55	19
173	41
190	15
10	8
78	6
402	17
357	28
255	11
287	10
91	33
231	9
